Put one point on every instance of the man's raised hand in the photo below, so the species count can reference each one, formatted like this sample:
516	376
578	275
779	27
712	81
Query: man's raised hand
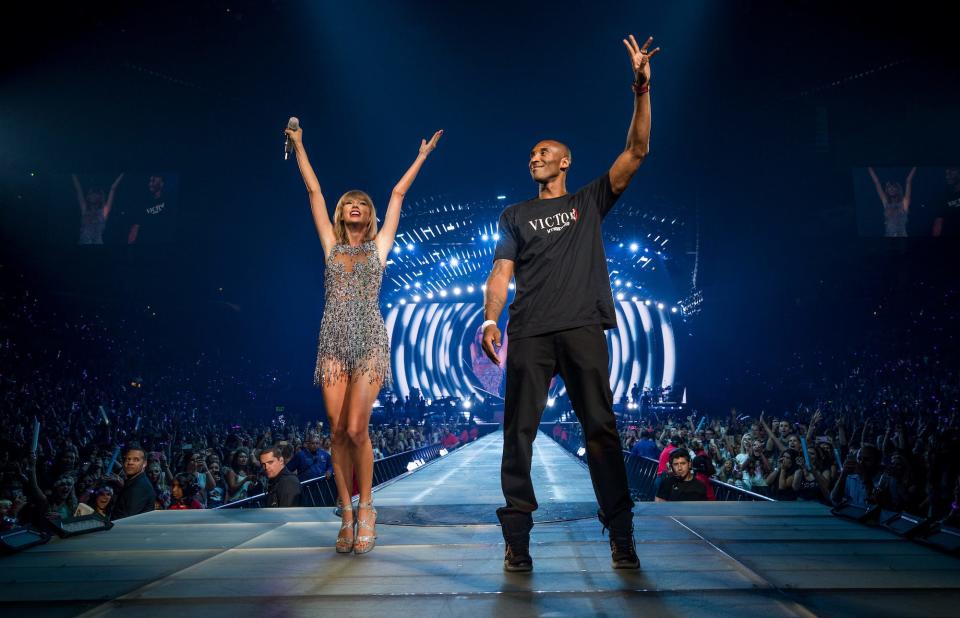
640	58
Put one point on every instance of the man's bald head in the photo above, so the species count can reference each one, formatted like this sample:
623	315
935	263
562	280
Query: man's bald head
549	159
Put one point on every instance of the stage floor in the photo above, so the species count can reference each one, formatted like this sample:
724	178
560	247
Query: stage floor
724	559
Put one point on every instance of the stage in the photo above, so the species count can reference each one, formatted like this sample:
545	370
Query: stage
440	553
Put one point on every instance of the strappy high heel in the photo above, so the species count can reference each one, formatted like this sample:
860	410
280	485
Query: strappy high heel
345	545
368	540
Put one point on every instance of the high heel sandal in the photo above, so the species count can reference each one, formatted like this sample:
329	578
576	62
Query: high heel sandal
345	545
369	541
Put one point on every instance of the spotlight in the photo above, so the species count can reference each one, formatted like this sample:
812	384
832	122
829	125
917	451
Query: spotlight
443	293
416	298
673	309
430	295
409	246
659	305
417	285
467	405
551	401
619	295
485	237
581	452
511	286
389	305
634	247
617	282
456	291
470	289
397	249
407	286
403	301
454	262
496	237
646	302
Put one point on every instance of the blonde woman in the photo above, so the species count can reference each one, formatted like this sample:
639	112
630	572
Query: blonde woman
353	356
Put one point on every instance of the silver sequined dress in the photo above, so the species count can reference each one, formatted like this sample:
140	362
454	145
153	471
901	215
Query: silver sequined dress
353	338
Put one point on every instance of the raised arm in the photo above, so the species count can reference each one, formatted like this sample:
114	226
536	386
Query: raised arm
78	189
111	195
909	190
495	298
318	206
878	186
392	217
638	136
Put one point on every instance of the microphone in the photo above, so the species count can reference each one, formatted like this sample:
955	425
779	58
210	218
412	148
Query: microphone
294	124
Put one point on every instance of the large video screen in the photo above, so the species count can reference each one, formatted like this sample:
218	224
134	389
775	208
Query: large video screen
907	201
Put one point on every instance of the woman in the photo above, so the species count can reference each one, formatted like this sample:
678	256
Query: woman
94	211
353	356
240	475
896	203
183	492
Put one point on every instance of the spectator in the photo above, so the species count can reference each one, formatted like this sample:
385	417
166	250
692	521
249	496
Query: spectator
183	492
857	484
137	495
311	462
680	485
646	446
283	489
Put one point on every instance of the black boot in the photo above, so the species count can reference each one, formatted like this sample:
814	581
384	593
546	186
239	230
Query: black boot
516	535
623	549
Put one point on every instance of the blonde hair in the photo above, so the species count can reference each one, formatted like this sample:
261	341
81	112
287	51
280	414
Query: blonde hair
340	228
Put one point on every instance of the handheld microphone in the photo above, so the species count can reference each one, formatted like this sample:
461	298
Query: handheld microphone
293	124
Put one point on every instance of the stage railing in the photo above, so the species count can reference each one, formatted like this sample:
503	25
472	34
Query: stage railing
322	491
642	477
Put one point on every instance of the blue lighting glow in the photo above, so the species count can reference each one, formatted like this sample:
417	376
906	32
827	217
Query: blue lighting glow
409	246
397	249
485	237
634	247
454	262
496	236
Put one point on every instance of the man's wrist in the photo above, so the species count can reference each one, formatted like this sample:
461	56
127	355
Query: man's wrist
487	323
641	87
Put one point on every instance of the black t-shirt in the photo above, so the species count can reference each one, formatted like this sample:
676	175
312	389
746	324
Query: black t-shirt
673	489
156	220
560	267
949	211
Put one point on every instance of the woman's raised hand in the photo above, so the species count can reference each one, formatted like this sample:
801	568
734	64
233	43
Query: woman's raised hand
295	135
428	147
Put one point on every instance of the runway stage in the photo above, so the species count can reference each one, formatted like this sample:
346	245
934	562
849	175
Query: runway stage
440	554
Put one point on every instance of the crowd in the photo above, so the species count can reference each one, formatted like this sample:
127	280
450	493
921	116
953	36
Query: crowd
887	433
83	381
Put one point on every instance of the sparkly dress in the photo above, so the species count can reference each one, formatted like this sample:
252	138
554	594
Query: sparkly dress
353	338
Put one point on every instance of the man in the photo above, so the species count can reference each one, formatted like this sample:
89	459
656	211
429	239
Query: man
153	221
137	495
859	479
312	461
682	485
283	488
646	446
553	246
947	218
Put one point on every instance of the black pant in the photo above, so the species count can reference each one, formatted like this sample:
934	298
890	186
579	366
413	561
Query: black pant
580	356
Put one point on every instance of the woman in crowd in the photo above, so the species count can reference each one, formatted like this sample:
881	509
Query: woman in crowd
240	476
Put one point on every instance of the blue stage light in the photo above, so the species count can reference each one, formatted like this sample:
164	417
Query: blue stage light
485	237
659	305
501	197
646	302
511	286
406	286
443	293
496	236
430	295
409	246
456	291
634	247
454	262
416	298
619	295
673	310
397	249
416	285
403	301
470	289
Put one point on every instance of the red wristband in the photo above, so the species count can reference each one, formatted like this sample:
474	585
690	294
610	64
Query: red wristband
644	89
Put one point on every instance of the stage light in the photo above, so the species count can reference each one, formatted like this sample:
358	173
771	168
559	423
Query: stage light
467	405
485	237
629	284
646	250
416	298
634	299
407	286
470	289
443	293
581	452
619	295
551	401
501	197
621	245
456	291
430	295
483	287
454	262
496	236
389	305
397	249
417	285
659	305
403	301
617	282
634	247
409	246
673	309
511	286
646	302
